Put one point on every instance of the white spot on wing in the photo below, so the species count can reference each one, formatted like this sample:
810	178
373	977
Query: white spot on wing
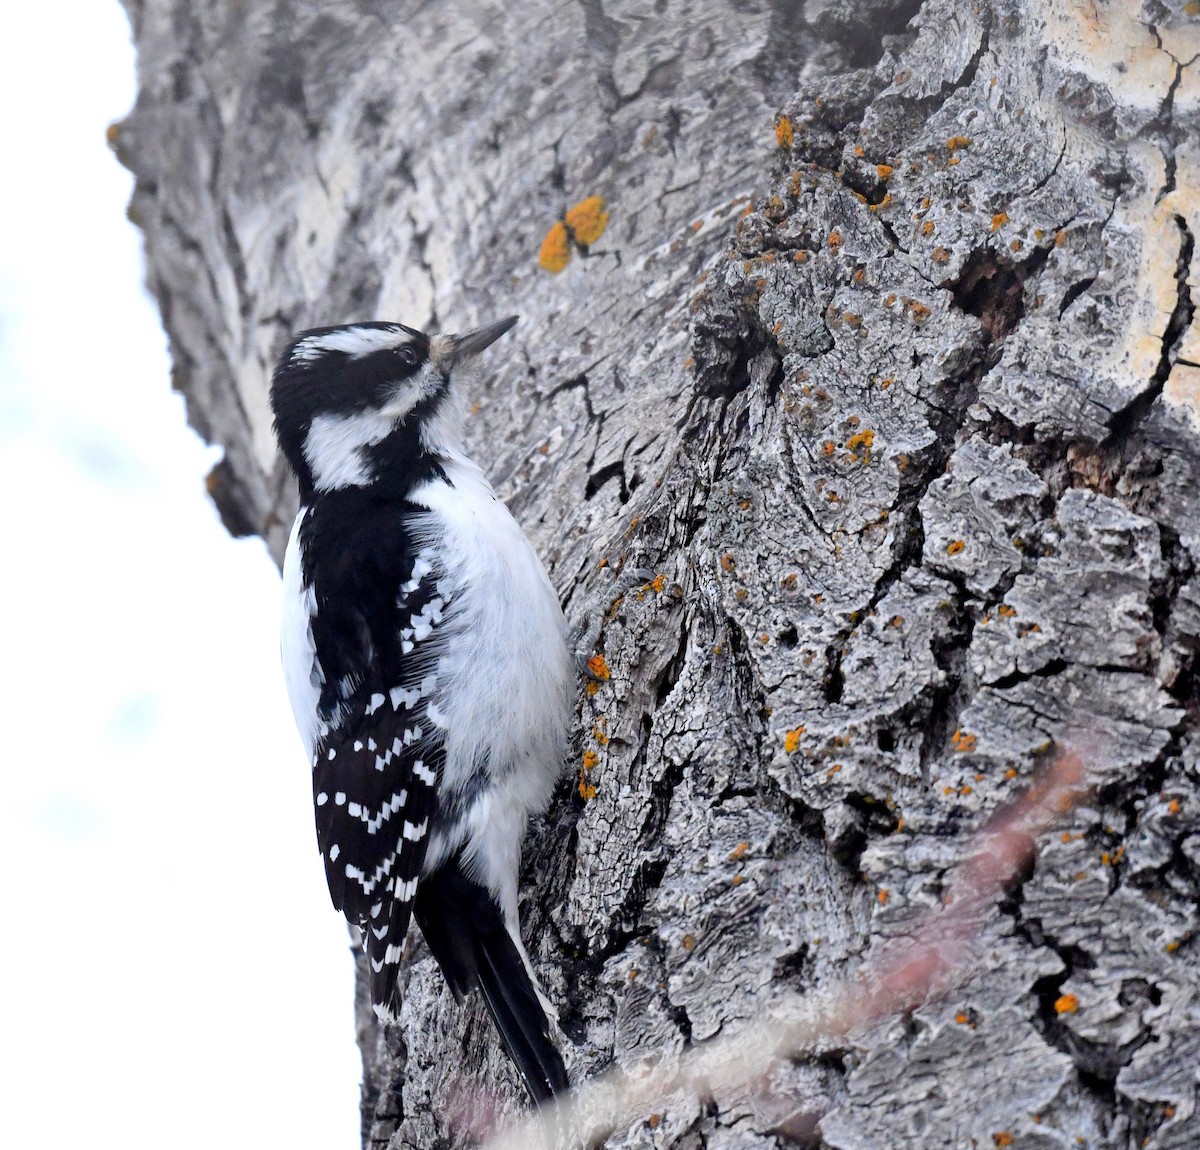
436	717
424	773
403	696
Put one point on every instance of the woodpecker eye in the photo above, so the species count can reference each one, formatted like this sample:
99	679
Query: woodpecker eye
407	354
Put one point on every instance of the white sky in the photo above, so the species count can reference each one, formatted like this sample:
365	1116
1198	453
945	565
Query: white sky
171	971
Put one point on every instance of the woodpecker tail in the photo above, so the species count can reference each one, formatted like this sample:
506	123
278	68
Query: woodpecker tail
465	930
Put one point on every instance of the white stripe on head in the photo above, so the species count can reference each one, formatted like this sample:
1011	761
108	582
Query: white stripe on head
353	341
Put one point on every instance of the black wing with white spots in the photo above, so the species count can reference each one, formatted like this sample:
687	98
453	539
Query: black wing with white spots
376	768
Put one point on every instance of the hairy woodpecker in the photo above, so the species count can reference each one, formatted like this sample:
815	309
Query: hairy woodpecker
426	662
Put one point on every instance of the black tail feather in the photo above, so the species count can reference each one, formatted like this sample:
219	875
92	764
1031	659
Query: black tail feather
465	931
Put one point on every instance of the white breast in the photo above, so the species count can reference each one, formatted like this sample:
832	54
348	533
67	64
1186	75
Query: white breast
505	674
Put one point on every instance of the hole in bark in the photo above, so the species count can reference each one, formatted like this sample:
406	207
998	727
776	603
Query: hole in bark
873	812
991	291
886	741
834	683
599	478
788	637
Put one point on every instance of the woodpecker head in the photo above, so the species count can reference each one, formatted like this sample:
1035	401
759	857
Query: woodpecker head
346	398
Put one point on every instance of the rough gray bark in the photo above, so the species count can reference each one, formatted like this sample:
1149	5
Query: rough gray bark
910	436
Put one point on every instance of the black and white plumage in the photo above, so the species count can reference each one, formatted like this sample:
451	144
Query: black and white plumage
426	661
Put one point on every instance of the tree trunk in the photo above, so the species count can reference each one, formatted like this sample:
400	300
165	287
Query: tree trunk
885	365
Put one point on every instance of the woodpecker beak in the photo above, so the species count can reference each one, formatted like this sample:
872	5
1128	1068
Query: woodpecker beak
449	351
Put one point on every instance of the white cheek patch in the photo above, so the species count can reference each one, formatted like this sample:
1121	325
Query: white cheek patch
334	446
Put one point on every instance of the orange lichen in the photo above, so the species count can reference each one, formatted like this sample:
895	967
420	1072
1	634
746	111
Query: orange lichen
555	251
882	896
800	257
1005	611
956	142
999	220
738	879
1066	1004
791	740
587	791
828	447
590	759
1173	807
884	171
927	228
657	583
955	547
598	666
737	852
862	439
1011	773
1002	1138
587	220
1172	947
963	741
917	310
835	240
784	132
1016	245
689	942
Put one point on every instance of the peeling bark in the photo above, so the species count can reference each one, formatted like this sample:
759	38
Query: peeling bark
900	399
